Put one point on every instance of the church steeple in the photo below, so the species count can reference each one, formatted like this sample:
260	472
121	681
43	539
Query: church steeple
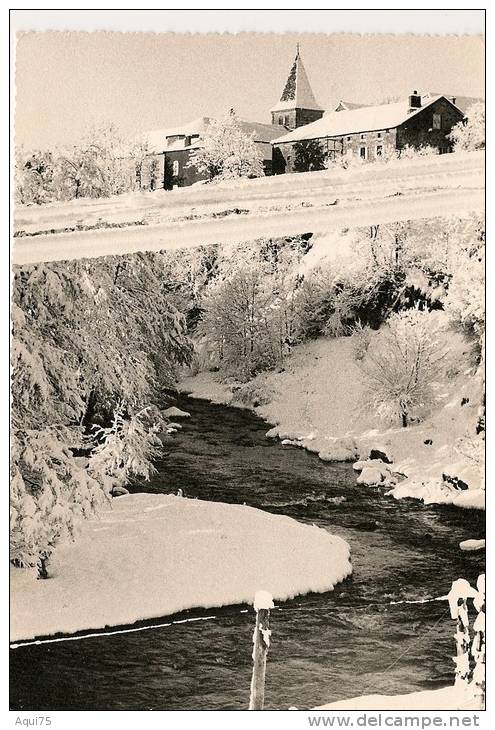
297	105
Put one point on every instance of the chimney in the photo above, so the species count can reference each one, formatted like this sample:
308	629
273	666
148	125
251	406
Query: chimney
453	99
414	101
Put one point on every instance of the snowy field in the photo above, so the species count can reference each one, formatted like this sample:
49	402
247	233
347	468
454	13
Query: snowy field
246	210
154	555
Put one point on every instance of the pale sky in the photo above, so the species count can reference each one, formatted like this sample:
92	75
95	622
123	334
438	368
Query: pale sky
66	82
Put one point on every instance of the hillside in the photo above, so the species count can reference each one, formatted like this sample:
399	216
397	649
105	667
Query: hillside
316	402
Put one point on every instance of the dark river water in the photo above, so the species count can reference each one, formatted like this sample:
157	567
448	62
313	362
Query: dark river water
324	647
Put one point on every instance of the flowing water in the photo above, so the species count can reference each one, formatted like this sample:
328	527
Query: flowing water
331	646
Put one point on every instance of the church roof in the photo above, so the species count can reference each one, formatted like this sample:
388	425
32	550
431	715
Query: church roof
297	93
364	119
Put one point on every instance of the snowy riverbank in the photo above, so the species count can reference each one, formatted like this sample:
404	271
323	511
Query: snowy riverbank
447	698
154	555
315	402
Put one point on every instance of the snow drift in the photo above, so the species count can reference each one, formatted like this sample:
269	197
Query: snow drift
153	555
447	698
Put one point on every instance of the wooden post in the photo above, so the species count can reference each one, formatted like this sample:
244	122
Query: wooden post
263	602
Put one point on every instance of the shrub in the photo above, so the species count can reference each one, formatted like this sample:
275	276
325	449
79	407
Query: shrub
400	366
469	134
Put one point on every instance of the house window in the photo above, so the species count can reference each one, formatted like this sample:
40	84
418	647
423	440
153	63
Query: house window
363	136
363	152
348	139
286	122
387	130
281	121
437	121
379	150
379	134
175	168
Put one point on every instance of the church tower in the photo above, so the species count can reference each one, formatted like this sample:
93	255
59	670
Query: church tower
297	105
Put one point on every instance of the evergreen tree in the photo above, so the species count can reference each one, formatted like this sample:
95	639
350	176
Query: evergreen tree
309	155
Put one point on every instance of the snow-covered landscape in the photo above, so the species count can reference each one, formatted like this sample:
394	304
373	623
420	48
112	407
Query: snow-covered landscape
248	392
249	209
111	559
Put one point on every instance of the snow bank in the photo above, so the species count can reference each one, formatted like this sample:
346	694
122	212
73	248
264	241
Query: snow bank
280	205
152	555
447	698
316	403
472	545
174	412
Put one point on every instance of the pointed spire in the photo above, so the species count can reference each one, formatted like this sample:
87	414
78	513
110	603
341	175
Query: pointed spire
297	93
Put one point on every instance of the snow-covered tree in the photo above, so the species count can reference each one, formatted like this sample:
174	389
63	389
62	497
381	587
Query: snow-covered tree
234	323
465	298
87	336
409	152
33	177
227	152
469	134
98	167
400	365
104	163
126	447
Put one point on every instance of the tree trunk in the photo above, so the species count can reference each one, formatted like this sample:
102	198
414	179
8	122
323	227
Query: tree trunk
42	569
404	419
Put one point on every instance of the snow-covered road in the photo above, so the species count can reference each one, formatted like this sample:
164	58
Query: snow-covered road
246	210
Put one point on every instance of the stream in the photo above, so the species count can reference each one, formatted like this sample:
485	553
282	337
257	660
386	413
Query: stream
324	647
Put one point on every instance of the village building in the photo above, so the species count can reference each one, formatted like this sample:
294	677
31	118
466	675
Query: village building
368	132
170	151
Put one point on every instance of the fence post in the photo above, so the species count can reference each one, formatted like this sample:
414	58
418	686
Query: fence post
263	602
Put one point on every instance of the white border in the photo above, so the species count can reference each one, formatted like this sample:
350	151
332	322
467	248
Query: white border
389	19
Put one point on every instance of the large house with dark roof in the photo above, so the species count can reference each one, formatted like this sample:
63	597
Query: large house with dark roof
373	131
365	131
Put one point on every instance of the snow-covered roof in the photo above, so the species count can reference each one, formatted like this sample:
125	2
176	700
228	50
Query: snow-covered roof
364	119
462	102
156	139
174	138
297	92
346	106
262	132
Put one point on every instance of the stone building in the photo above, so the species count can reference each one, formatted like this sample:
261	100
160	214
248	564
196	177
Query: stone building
171	150
373	131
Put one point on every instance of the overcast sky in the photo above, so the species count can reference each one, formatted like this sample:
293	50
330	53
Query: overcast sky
65	82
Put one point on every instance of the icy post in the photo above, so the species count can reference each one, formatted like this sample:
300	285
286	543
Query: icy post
263	602
458	597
